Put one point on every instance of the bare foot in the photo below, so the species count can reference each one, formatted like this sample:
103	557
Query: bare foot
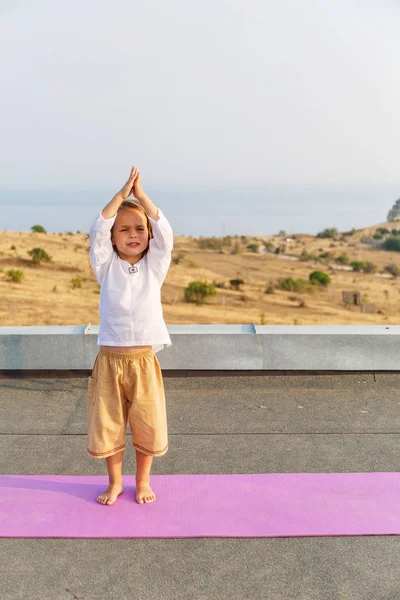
111	494
144	493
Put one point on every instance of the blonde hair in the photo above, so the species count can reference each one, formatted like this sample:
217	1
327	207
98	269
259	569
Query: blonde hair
136	206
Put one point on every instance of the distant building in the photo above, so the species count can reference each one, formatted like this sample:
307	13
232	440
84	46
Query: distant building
351	297
368	308
394	213
373	242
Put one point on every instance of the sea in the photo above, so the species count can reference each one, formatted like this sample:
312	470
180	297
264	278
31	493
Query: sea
210	211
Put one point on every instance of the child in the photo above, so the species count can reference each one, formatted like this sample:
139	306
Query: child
130	254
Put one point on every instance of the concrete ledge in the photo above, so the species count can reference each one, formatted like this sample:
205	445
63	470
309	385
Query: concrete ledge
241	347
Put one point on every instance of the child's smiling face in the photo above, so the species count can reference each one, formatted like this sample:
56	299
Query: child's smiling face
130	234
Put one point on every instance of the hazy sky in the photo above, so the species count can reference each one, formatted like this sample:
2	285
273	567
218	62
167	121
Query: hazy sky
213	91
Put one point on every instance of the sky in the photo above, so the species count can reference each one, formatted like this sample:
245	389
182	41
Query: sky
243	116
210	92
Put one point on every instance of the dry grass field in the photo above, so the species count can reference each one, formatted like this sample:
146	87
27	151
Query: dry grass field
46	296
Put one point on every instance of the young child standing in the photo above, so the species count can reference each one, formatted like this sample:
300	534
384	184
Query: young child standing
130	253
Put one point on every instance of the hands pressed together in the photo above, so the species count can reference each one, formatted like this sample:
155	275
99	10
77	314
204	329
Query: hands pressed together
132	186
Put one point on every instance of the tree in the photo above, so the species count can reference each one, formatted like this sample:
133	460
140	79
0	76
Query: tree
38	254
319	277
357	265
197	291
38	229
392	244
327	233
236	283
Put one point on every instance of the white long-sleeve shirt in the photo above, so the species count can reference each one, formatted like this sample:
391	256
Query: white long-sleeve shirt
130	297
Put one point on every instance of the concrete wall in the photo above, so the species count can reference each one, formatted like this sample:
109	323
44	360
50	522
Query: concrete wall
216	347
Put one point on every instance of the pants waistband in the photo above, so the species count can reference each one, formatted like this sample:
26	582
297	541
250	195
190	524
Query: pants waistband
137	353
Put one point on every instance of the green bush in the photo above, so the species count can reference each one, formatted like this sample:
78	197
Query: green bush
76	282
253	247
197	291
342	258
288	285
38	254
15	275
364	267
236	283
392	244
270	289
319	277
327	233
38	229
295	285
357	265
369	267
305	255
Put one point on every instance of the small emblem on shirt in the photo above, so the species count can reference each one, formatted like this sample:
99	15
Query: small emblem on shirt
133	269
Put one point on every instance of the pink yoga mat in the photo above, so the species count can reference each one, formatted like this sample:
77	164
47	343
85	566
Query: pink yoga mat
248	505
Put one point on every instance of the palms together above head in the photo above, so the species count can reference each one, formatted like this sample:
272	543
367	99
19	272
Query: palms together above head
127	189
133	185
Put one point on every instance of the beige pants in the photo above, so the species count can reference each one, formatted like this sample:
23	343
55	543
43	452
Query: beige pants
126	387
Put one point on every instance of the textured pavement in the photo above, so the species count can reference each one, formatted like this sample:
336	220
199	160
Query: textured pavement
217	424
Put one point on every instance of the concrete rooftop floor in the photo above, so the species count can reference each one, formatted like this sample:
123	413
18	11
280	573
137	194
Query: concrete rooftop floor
217	424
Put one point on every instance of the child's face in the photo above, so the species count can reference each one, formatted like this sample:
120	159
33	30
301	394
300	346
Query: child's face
130	234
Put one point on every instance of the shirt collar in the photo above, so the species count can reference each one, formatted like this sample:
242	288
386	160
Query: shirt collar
128	268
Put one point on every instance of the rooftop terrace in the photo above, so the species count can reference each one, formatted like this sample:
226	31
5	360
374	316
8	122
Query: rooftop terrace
240	399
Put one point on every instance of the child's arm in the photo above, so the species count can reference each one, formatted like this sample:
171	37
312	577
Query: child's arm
142	197
101	249
160	246
159	254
